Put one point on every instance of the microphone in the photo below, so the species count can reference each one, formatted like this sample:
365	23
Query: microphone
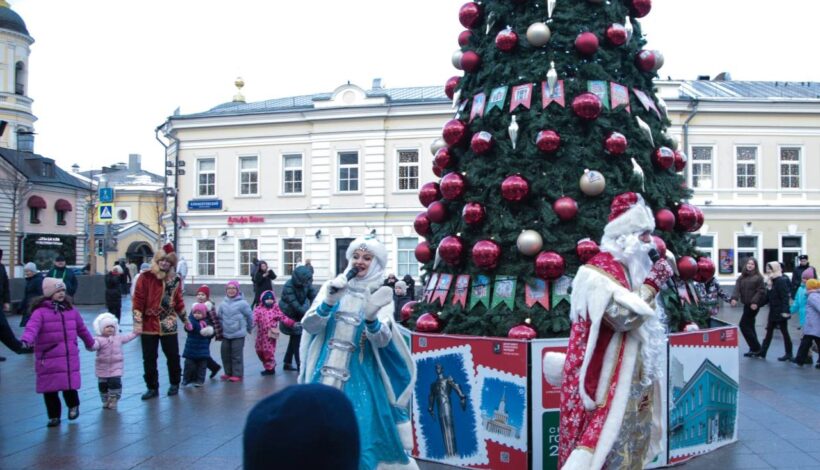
655	257
351	273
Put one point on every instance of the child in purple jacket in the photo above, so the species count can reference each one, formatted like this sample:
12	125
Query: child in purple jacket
53	330
109	363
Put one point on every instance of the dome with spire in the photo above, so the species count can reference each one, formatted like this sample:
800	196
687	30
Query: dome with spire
10	20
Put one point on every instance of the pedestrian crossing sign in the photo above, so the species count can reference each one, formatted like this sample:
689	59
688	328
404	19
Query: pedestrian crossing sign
105	212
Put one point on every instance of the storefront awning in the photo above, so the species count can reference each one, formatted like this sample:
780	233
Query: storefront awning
62	205
36	202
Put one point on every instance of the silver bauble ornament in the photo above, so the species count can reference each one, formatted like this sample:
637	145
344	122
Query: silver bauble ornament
551	7
646	129
630	30
456	59
552	78
437	145
530	242
456	98
513	131
490	22
663	107
592	183
638	171
538	34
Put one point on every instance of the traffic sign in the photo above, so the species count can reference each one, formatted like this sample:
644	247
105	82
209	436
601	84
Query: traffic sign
106	194
105	211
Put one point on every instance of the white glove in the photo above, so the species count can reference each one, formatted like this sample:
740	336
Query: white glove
208	331
377	300
336	289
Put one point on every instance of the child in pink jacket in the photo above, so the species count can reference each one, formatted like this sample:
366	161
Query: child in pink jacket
266	316
109	364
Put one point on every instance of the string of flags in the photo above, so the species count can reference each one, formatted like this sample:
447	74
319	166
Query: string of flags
469	292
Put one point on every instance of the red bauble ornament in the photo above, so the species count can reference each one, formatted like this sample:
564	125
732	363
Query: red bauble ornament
515	188
587	106
687	267
706	269
486	254
482	143
450	86
680	161
443	158
660	245
699	219
522	331
548	141
664	220
586	43
687	217
454	131
565	207
437	212
452	186
422	224
424	253
640	8
616	143
429	193
451	249
428	323
586	249
616	34
549	265
649	61
470	61
469	14
506	40
473	213
464	37
407	310
437	171
663	158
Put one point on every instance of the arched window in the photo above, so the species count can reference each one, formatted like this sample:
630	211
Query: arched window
20	78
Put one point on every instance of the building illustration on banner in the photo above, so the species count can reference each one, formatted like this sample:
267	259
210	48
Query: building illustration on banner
498	422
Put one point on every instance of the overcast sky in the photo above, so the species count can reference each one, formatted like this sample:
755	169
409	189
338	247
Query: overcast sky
105	73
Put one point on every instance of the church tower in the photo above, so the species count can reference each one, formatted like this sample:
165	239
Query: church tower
16	118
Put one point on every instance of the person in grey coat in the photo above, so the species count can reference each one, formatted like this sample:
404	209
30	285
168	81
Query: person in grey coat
236	318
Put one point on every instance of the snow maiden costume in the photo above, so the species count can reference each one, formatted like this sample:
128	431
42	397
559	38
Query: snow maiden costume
350	342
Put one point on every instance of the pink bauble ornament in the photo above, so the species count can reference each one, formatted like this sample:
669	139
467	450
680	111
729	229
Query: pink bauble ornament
444	158
429	193
615	143
452	186
437	212
687	267
407	310
422	224
640	8
687	217
506	40
486	254
565	207
664	220
586	249
549	265
464	37
482	143
586	43
649	61
515	188
428	323
450	86
522	331
437	171
473	213
663	158
454	132
680	161
548	141
616	34
706	269
469	14
660	245
451	249
587	106
424	253
470	61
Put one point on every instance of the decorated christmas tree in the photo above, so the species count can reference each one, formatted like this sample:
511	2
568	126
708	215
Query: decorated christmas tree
555	115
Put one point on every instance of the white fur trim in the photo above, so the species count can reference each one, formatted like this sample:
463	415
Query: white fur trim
637	219
610	360
207	331
579	459
553	368
370	244
103	320
406	435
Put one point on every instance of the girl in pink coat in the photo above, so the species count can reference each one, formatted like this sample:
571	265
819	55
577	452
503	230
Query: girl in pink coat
109	363
53	330
266	316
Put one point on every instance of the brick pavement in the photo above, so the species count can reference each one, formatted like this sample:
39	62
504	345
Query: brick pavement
779	417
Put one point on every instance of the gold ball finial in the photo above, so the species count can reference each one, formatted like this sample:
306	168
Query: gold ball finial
4	4
239	84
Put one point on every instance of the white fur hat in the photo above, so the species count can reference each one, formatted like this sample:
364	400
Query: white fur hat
629	215
370	244
103	320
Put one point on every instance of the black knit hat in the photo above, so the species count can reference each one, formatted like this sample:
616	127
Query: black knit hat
803	257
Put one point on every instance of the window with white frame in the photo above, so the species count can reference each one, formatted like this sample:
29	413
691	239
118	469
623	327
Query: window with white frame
705	243
248	251
407	263
292	174
408	170
791	246
747	246
205	257
790	167
248	176
746	167
206	177
291	254
702	167
348	171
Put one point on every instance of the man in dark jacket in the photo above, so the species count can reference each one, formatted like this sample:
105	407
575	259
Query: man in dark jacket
297	295
411	286
797	275
33	288
59	271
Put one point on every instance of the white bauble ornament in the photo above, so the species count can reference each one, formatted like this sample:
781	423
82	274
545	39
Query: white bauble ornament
456	59
592	183
538	34
529	242
437	145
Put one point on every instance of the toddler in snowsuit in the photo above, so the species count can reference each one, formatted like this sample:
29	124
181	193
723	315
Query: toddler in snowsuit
236	318
203	296
267	317
197	346
109	362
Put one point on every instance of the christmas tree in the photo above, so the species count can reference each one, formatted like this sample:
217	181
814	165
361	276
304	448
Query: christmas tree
556	115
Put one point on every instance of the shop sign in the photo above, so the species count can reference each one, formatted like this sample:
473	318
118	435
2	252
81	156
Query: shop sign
245	219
